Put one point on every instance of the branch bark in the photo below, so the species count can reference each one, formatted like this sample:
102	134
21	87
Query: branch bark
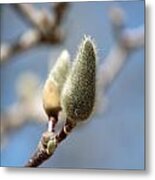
42	152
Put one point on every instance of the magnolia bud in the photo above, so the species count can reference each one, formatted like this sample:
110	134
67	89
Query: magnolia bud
49	142
51	146
78	95
60	70
54	84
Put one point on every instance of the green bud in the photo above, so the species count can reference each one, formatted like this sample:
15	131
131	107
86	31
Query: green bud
51	146
78	95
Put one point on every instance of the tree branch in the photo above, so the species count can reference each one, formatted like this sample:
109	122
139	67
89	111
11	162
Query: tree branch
59	12
28	107
27	40
127	41
47	29
34	16
42	152
21	113
118	56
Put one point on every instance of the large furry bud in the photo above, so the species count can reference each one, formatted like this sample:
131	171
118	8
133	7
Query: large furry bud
78	95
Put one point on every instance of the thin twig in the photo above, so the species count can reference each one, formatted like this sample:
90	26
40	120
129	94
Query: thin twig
42	154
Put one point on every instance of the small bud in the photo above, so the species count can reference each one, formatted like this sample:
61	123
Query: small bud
46	137
51	146
117	16
78	95
54	84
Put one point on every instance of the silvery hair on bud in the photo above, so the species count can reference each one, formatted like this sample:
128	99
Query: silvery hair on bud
60	70
78	95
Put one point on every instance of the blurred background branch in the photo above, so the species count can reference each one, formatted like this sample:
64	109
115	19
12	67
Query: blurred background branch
126	41
46	28
28	107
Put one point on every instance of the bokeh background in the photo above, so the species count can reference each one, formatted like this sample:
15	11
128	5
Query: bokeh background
114	138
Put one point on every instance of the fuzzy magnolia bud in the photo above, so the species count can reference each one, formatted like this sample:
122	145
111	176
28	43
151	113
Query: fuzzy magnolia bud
78	95
60	70
54	84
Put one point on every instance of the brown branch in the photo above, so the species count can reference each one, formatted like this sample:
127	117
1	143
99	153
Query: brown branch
42	153
31	14
37	18
59	12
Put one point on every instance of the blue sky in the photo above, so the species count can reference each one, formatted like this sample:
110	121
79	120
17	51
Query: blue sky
112	140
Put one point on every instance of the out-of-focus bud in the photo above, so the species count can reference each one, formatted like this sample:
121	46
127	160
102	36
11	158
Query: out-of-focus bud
61	69
54	84
117	16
